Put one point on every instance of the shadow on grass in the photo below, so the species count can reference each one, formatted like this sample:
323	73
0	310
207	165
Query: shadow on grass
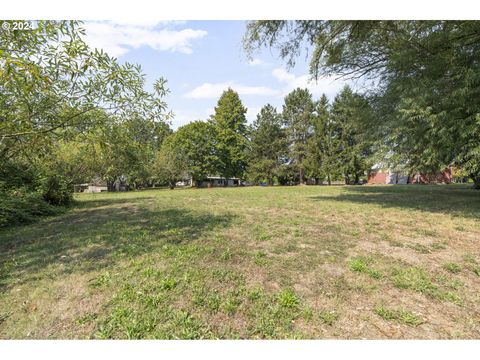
455	200
96	235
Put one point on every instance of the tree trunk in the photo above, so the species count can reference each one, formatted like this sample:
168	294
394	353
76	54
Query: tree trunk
329	179
110	186
302	180
476	182
171	185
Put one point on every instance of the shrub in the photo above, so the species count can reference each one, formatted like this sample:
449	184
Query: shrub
22	207
55	190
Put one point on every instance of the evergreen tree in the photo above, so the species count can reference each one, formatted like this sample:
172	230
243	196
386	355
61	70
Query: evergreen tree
231	129
323	145
268	147
349	112
427	75
298	116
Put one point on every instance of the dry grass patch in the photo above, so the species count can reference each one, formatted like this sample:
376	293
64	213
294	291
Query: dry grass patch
282	262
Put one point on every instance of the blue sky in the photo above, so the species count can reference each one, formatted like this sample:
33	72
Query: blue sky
200	59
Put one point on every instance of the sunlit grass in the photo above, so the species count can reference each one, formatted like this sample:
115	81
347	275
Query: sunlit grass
282	262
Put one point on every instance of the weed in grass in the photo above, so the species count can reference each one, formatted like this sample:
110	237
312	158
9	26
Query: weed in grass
86	319
298	233
167	284
263	237
6	267
453	284
362	264
4	317
266	326
254	294
231	304
420	248
288	299
396	243
272	321
154	301
208	299
469	258
307	314
452	267
328	317
398	315
364	288
261	258
476	270
226	255
418	280
213	301
150	272
413	278
188	327
427	232
101	280
226	275
472	263
438	246
383	236
285	248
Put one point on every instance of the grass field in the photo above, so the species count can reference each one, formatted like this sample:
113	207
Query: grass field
283	262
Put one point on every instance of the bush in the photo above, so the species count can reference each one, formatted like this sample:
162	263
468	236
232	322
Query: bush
23	207
56	190
14	176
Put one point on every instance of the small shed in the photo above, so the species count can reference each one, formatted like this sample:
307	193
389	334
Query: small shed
218	181
89	188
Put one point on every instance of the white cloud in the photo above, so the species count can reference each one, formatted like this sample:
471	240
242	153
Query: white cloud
327	85
184	116
251	114
214	90
209	112
256	62
119	37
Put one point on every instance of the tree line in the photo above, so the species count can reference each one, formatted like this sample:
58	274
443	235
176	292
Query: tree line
307	139
424	77
70	114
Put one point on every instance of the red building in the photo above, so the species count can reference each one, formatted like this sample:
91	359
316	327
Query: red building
444	176
389	177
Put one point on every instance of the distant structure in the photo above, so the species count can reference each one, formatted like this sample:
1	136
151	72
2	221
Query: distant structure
91	187
384	175
218	181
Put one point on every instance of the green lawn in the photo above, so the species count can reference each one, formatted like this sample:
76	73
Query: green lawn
282	262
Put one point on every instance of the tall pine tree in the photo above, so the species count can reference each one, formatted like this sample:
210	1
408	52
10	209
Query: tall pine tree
349	112
323	145
230	123
268	148
297	115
